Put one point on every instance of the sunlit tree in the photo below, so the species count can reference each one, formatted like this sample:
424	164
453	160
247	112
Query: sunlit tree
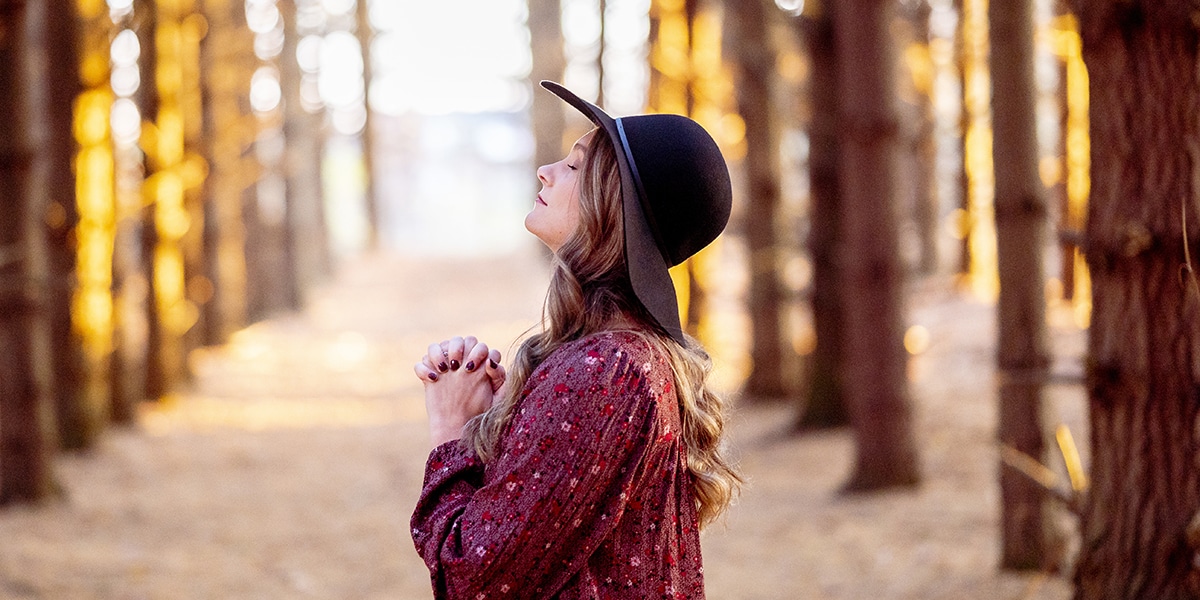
753	61
1023	355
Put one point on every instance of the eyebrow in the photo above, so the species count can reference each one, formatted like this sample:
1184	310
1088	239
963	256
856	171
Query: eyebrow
579	146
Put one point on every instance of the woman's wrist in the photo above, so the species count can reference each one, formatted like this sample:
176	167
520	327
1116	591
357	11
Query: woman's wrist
440	433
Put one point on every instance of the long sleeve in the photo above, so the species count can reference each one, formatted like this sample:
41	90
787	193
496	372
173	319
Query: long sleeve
587	440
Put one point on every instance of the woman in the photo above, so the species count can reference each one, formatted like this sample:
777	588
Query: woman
588	473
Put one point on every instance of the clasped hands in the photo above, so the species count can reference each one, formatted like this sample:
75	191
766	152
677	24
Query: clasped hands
462	378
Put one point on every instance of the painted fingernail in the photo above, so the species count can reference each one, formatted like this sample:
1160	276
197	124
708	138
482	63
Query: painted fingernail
433	376
442	367
454	365
493	363
471	366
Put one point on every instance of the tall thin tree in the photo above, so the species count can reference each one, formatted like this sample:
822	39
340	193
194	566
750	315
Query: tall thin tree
1140	523
753	61
1020	208
304	132
825	402
366	35
26	414
875	363
546	49
53	49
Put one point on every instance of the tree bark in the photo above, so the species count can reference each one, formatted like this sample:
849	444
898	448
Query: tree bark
229	132
365	36
308	244
26	413
924	154
825	406
874	367
546	39
54	56
963	260
1020	209
1143	374
753	61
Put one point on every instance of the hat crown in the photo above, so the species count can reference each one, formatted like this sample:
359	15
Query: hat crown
685	189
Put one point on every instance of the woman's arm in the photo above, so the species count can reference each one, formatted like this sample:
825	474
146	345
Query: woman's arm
581	441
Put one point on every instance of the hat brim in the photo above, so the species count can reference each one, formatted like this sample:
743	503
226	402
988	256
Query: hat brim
648	271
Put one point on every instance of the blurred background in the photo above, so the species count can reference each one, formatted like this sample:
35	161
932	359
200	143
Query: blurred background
232	226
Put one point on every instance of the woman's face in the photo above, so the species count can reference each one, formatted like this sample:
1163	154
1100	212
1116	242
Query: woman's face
555	212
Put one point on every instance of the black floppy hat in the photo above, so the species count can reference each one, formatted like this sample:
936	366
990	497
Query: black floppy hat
676	197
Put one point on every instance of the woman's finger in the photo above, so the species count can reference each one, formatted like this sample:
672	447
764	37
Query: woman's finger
454	353
475	356
495	371
437	358
428	362
424	373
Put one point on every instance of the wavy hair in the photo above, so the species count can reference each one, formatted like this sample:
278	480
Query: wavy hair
590	292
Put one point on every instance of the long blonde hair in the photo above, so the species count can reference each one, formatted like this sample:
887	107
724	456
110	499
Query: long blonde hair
590	292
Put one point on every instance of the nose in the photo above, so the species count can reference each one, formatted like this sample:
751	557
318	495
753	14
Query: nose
541	173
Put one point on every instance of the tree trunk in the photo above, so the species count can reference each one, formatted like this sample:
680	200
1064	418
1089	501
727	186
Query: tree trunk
962	52
697	296
133	315
546	44
53	49
26	413
1020	208
308	244
874	367
1144	342
365	36
826	403
924	154
229	132
753	62
602	46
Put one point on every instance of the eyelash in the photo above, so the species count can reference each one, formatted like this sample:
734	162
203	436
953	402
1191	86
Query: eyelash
570	166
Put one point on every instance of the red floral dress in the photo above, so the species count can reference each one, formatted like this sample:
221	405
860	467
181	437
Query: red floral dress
589	496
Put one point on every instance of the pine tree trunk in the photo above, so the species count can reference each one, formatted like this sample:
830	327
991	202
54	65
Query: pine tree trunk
753	62
875	362
924	154
370	192
229	132
1144	342
26	413
546	39
826	403
53	48
1020	208
963	180
308	244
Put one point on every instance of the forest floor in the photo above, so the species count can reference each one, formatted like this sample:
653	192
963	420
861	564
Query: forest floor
290	464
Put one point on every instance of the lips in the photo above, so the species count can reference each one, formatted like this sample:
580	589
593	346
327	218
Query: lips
540	201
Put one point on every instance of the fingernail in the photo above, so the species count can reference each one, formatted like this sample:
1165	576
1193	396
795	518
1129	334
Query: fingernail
471	366
454	365
493	363
433	376
442	366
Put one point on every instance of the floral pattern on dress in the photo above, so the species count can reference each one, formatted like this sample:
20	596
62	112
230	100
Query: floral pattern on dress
589	497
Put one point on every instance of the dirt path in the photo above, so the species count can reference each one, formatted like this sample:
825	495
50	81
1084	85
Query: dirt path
289	467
